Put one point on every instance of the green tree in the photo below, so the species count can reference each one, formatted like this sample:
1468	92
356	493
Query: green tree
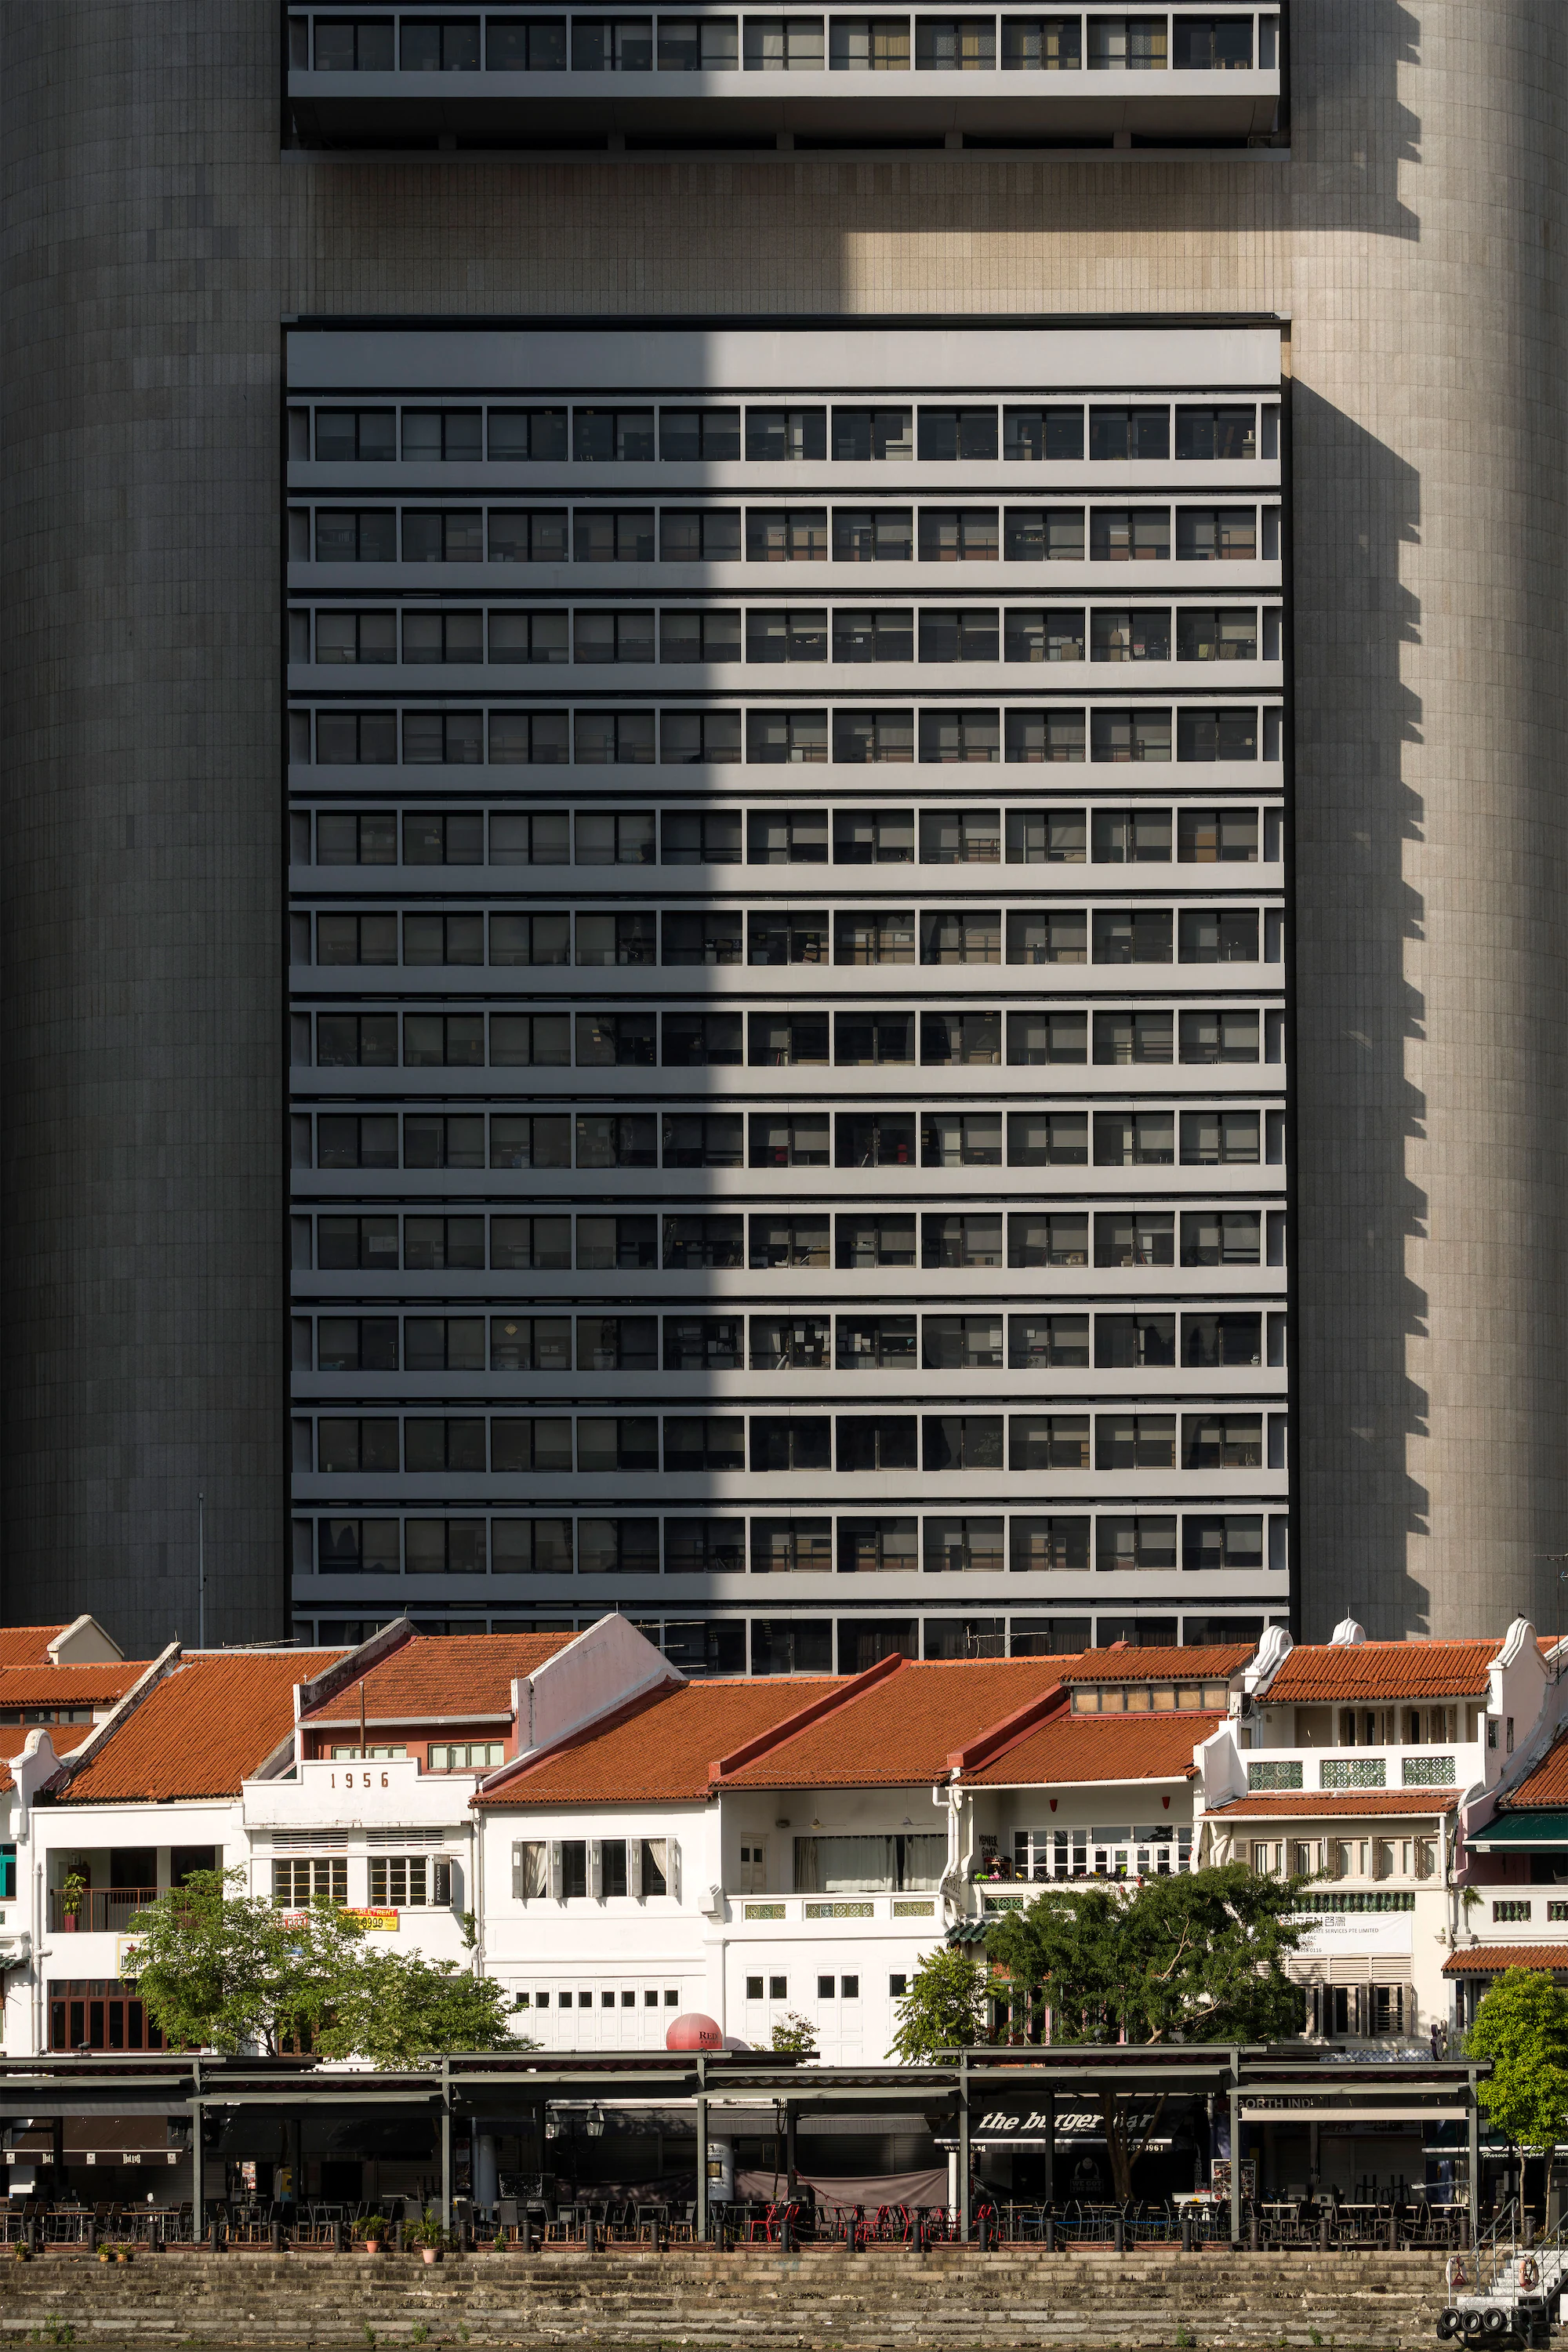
1521	2026
794	2036
398	2008
1199	1955
944	2008
219	1968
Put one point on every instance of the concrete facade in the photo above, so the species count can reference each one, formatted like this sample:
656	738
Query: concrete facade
156	235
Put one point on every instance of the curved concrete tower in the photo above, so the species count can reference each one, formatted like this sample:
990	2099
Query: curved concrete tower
157	233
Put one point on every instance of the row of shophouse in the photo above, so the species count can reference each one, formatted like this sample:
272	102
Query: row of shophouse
618	1844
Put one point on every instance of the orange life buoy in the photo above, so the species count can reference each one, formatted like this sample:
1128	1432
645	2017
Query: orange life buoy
1529	2272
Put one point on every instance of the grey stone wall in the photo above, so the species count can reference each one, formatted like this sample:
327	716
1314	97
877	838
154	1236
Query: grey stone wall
155	235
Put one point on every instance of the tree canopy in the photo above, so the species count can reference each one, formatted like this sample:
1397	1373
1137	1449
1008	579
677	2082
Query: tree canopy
1521	2026
221	1969
1198	1956
395	2007
944	2008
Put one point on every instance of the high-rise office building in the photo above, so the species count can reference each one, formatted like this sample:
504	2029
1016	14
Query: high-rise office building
787	970
709	957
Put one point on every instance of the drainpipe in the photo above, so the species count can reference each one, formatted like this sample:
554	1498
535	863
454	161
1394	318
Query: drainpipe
37	1959
477	1887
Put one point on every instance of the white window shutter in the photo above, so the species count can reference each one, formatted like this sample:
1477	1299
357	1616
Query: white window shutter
672	1867
556	1868
596	1868
517	1890
634	1868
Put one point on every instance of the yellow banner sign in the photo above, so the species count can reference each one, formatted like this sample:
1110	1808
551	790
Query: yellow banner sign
374	1922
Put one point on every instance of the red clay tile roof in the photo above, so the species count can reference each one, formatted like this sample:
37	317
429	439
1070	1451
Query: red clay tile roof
1335	1804
1547	1785
1382	1670
431	1678
1199	1663
1490	1960
49	1686
901	1730
1073	1748
216	1719
659	1748
27	1645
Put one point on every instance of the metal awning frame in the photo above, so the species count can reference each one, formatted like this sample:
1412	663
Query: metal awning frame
465	2090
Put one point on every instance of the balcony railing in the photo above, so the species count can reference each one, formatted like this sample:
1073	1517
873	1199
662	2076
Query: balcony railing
102	1910
764	1911
1364	1770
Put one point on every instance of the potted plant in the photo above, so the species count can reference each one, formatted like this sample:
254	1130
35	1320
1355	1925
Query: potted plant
73	1895
427	2234
372	2230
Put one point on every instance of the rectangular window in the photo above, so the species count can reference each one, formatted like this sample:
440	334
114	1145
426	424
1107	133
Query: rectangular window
1046	534
697	636
783	45
699	534
787	534
1211	534
961	735
873	1241
790	1343
1130	534
1045	735
957	1039
884	636
696	435
863	736
617	1343
299	1881
873	534
601	436
1049	1544
449	46
443	738
704	939
957	44
1047	1441
617	1546
881	1441
1141	1139
959	1547
1229	432
960	1241
862	435
782	737
536	434
1216	735
959	535
455	535
1039	1237
790	1547
1145	1441
1222	1442
356	535
612	535
782	1442
700	837
528	535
